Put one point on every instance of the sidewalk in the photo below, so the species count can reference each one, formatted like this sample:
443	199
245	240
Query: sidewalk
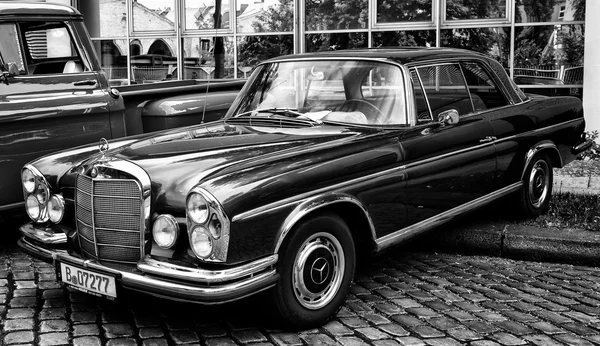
514	241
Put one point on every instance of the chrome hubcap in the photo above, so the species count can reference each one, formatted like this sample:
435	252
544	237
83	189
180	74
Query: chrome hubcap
539	183
318	271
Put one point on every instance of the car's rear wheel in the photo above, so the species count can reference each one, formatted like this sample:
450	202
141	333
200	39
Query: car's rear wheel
316	267
537	186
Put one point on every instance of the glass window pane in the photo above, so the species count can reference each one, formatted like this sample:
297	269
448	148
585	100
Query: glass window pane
11	49
336	15
475	9
153	59
207	57
113	60
390	11
528	11
494	42
420	38
112	18
154	15
550	54
255	49
336	41
200	15
271	16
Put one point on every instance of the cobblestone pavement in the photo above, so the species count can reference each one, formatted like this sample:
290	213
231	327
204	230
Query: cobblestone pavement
398	299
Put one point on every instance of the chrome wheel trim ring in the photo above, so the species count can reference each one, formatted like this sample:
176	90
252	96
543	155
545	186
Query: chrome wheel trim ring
539	183
325	243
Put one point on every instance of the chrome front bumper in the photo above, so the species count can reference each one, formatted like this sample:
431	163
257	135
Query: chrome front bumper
165	279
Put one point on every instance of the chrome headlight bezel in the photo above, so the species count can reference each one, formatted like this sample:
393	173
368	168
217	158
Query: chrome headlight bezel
41	192
215	218
56	208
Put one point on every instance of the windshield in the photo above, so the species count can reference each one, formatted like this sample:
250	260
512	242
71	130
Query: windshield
348	91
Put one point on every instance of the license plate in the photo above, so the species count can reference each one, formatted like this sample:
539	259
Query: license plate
88	281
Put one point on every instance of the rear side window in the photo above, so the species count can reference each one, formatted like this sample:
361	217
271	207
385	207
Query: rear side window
445	88
483	90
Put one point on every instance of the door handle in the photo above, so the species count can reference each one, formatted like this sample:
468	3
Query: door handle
487	139
85	82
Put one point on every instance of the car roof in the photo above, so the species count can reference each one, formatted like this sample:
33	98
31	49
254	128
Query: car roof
34	9
403	55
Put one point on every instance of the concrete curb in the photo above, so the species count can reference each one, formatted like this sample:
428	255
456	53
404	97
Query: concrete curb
574	246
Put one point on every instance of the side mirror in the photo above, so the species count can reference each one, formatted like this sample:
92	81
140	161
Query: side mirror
9	70
449	117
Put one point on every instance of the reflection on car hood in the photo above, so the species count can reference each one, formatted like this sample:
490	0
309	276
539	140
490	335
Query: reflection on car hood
179	159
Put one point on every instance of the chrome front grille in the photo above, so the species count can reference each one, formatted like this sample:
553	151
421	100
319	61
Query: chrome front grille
110	219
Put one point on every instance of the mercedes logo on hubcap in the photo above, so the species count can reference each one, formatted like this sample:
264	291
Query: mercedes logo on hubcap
319	271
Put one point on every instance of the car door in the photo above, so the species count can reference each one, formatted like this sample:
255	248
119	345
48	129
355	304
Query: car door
449	164
55	101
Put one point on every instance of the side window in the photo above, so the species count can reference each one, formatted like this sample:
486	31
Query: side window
50	49
423	114
11	49
484	92
445	88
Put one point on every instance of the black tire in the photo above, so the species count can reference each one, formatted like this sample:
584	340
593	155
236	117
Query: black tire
534	197
316	267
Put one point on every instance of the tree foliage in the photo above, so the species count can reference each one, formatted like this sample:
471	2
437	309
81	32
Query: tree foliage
336	15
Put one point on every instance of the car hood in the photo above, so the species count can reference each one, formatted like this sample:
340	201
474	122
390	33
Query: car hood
230	159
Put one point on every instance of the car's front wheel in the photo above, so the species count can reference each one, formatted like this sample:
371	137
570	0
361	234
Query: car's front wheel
537	186
316	267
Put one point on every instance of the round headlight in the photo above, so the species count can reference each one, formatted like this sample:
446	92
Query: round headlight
56	208
165	231
28	180
32	207
41	193
201	242
215	227
197	208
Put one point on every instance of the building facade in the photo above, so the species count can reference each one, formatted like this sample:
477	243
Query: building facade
541	43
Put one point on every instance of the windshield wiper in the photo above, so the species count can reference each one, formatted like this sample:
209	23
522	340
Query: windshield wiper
290	112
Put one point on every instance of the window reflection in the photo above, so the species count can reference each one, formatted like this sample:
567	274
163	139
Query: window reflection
266	16
494	42
550	54
528	11
153	15
255	49
113	18
475	9
336	41
415	38
201	15
152	59
113	60
389	11
207	57
336	15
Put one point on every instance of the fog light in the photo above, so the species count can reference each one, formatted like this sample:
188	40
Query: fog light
201	242
215	227
32	207
28	180
165	231
197	208
56	208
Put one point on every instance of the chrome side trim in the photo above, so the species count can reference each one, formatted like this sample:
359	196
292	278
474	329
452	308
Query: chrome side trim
301	197
420	227
17	205
536	149
152	266
536	131
314	204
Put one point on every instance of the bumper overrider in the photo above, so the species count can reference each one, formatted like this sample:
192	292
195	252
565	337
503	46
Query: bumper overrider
155	277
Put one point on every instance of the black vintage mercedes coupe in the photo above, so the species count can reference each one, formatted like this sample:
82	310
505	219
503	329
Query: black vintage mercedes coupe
320	158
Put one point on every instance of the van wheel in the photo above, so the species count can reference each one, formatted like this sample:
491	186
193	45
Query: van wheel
537	187
316	268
